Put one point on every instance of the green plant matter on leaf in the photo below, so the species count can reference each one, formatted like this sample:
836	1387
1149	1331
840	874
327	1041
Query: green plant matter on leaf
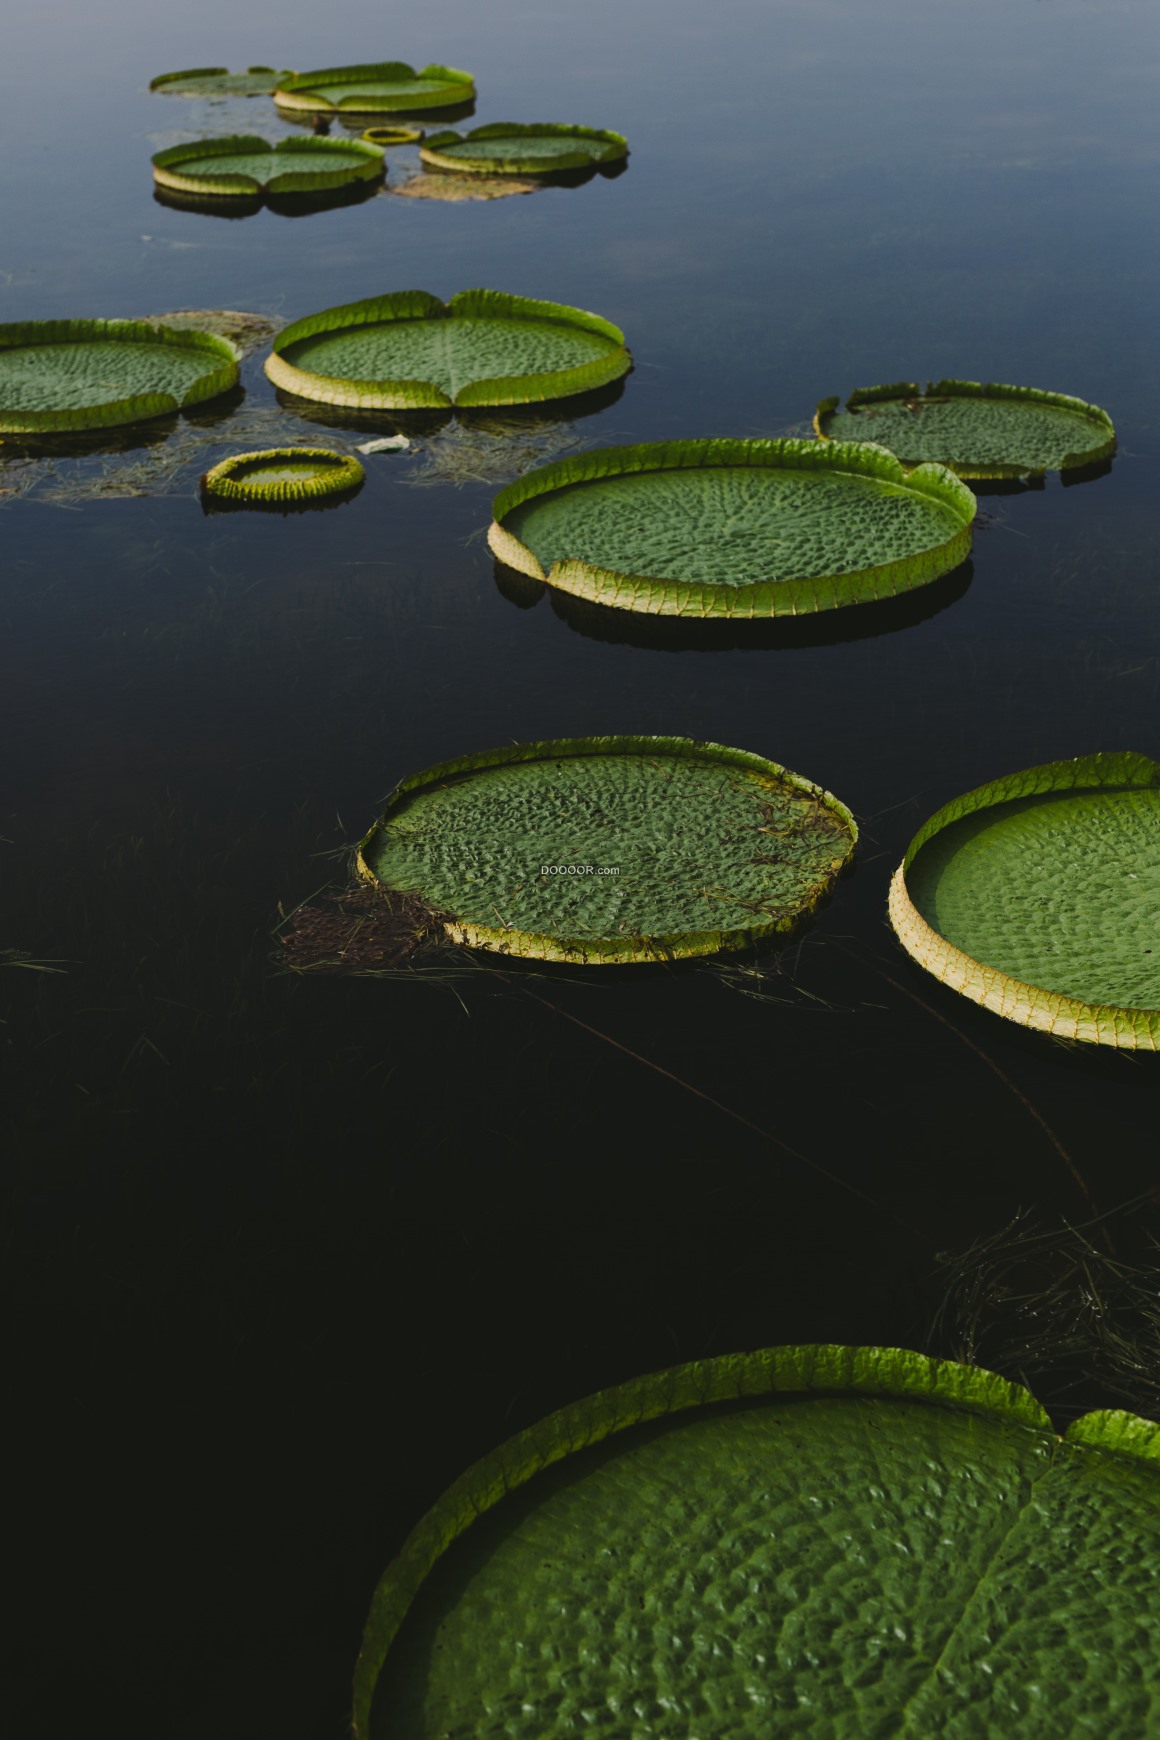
243	166
1037	895
408	350
602	850
379	86
219	81
805	1540
980	429
94	374
722	528
282	477
509	148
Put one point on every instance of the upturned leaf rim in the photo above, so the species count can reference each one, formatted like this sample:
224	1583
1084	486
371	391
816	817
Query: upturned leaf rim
167	171
614	148
221	374
300	93
336	474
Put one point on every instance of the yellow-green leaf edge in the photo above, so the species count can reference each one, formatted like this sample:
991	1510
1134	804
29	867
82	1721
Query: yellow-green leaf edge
822	1369
221	372
167	166
1030	1005
581	158
211	72
765	598
621	951
338	474
396	395
298	93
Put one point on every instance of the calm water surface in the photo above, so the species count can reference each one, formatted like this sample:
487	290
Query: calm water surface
286	1254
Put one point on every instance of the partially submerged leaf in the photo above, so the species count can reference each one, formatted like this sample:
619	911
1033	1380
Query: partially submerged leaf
218	81
408	350
808	1540
283	477
244	166
379	86
92	374
733	528
512	148
979	429
1037	895
602	850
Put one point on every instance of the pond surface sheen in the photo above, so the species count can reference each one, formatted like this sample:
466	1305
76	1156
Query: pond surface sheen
285	1253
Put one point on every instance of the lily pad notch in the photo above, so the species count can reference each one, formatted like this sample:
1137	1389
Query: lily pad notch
243	166
610	850
724	528
801	1529
408	351
1037	896
979	429
58	375
534	148
283	478
375	87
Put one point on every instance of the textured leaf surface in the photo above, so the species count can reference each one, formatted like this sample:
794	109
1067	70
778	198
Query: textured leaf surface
247	165
919	1555
977	429
507	148
72	374
381	85
218	81
711	847
733	527
1039	896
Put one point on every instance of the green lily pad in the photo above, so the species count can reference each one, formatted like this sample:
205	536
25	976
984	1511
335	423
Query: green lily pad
380	86
243	165
733	528
508	148
610	849
93	374
283	477
805	1540
1038	896
978	429
393	135
219	81
409	350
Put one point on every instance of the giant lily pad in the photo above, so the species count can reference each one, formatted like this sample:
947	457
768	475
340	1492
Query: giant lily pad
509	148
219	81
283	477
978	429
244	165
1038	896
733	528
92	374
409	350
805	1540
610	849
381	86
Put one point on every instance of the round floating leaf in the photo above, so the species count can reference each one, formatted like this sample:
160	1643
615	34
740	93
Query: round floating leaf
378	86
978	429
92	374
733	528
393	135
218	81
409	350
610	849
283	477
1037	895
243	165
805	1540
508	148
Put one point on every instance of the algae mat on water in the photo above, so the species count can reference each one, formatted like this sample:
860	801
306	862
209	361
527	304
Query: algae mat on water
95	374
734	528
511	148
603	850
408	350
374	87
243	165
826	1541
1038	896
979	429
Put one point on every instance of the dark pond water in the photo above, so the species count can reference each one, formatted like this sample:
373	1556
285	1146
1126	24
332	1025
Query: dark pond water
285	1254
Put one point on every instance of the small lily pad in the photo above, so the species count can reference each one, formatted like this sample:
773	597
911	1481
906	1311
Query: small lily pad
724	528
508	148
283	477
409	350
242	166
1038	896
385	136
816	1540
219	81
602	850
378	87
94	374
978	429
